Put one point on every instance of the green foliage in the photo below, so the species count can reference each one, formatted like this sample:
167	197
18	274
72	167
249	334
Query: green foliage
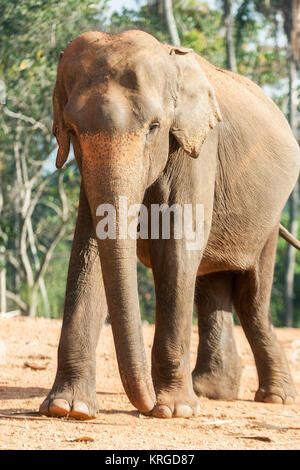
32	35
277	299
55	280
199	27
139	19
258	53
146	293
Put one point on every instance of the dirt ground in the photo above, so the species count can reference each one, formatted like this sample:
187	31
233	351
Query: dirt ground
29	370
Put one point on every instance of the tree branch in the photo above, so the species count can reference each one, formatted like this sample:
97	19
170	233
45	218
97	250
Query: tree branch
10	295
22	117
171	23
50	251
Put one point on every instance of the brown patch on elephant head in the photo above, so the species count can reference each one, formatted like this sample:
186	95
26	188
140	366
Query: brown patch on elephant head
113	159
104	146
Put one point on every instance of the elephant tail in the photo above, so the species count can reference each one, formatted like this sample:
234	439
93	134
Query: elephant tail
284	233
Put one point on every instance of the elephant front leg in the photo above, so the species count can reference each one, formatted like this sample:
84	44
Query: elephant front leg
74	390
174	271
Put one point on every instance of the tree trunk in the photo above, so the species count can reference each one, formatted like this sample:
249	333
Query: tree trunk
171	23
293	203
33	303
229	36
291	261
291	28
157	7
37	264
3	291
2	256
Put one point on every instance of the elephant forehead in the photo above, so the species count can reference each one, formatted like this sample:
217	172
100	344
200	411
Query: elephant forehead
111	108
133	65
100	49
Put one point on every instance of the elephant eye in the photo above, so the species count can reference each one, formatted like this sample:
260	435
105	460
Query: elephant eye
153	126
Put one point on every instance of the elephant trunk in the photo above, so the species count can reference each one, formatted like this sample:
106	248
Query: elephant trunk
119	267
118	262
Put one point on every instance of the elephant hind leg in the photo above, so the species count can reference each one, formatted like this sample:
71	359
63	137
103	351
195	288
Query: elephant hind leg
251	299
218	370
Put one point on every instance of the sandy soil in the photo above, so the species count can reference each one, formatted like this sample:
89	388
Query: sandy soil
29	370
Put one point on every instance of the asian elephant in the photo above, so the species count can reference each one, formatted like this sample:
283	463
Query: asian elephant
159	124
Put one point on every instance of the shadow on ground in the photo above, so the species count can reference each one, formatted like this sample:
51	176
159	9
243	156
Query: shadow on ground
14	393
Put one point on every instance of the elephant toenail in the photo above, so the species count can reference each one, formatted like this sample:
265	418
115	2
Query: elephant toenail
80	406
80	410
59	407
271	398
183	411
162	411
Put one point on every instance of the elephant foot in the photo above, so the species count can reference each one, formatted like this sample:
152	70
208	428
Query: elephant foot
70	401
176	403
283	393
215	386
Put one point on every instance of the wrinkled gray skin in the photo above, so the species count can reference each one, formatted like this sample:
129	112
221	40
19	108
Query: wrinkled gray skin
159	124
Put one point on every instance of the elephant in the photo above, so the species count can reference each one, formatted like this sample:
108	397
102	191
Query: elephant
159	124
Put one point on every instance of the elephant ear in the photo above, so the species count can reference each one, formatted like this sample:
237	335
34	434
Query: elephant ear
59	128
196	107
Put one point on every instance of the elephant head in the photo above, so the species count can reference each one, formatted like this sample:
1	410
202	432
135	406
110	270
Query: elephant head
118	97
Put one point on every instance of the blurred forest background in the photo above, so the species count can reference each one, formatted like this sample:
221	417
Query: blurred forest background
38	203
